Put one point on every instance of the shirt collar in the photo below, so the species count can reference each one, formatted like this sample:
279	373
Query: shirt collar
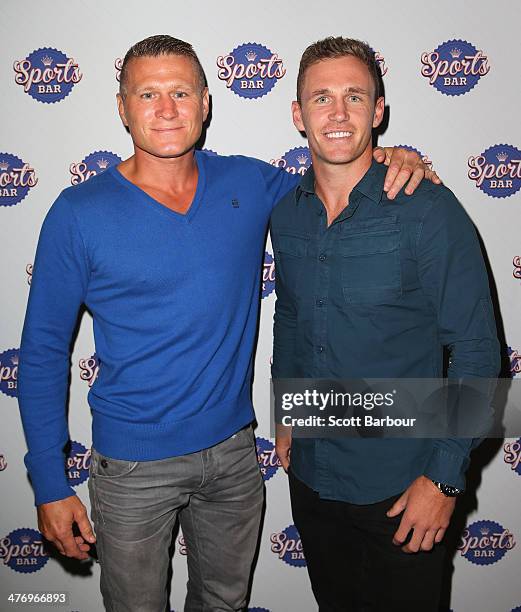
370	185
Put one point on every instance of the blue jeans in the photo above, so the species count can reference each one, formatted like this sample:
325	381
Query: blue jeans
217	493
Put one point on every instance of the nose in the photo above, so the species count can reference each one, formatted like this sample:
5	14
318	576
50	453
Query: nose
167	108
338	110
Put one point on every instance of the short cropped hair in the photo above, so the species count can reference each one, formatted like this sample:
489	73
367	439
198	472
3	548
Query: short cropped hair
154	46
333	47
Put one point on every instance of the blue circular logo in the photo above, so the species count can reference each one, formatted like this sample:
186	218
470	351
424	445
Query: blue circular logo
294	161
250	70
512	455
268	275
485	542
287	545
258	609
23	550
9	371
497	171
454	67
516	609
47	75
78	463
515	361
16	179
425	158
269	463
93	164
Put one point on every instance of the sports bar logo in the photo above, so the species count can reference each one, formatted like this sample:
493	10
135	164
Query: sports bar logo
29	271
425	158
23	550
497	171
89	369
182	545
516	273
454	67
294	161
380	62
268	275
118	63
78	463
269	463
3	462
93	164
287	545
250	70
258	609
515	361
16	179
512	455
485	542
47	75
9	371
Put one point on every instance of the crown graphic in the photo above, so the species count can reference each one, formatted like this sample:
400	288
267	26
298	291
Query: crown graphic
251	56
302	159
46	60
102	164
455	52
15	359
484	531
502	156
25	539
4	166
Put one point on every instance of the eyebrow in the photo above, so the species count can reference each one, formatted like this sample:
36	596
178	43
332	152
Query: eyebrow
320	92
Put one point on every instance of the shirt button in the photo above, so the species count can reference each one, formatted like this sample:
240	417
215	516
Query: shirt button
322	257
320	302
320	349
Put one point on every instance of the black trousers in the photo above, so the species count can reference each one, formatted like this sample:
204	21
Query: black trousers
353	564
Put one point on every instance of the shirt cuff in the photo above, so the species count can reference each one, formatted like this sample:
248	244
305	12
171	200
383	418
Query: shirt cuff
48	477
447	468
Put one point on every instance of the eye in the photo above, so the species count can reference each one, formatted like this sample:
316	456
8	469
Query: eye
147	95
322	99
354	98
180	94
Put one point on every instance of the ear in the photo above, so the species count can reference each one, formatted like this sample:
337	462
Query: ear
206	103
121	109
378	111
296	112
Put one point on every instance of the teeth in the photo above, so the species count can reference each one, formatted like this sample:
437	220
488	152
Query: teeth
338	134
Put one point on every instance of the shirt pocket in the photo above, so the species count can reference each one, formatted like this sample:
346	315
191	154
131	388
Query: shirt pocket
371	270
291	251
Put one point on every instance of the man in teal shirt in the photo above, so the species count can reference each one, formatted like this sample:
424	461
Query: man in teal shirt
372	288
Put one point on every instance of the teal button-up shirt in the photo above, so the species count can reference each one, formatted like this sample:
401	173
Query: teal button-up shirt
379	294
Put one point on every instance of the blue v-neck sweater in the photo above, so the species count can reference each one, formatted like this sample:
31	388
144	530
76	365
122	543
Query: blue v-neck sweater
174	300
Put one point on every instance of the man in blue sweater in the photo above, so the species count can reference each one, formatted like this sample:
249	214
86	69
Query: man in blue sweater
165	252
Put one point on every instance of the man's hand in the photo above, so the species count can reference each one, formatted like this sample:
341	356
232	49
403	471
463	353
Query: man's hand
427	511
283	444
404	166
55	521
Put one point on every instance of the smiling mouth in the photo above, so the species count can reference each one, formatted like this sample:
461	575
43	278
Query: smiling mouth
335	135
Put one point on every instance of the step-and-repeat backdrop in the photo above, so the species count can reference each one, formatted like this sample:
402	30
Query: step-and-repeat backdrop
451	73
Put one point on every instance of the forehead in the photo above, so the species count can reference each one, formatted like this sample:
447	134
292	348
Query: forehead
338	72
179	67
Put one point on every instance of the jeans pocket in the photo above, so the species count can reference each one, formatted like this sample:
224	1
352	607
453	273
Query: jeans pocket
106	467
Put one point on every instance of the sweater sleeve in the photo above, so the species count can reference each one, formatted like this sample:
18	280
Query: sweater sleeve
58	288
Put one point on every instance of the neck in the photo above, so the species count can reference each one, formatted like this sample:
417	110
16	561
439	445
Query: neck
334	182
166	174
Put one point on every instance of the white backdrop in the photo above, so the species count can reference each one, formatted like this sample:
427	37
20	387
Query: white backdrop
472	110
